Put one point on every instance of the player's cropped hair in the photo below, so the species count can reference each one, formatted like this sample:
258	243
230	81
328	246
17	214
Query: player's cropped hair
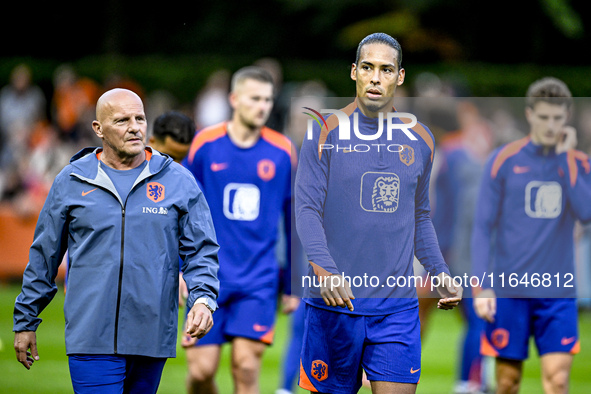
381	38
549	89
178	126
250	72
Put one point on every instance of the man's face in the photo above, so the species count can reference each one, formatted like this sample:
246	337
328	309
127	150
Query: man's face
174	149
122	125
376	75
252	102
546	121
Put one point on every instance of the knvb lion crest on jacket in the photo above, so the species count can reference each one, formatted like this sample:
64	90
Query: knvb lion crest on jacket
155	191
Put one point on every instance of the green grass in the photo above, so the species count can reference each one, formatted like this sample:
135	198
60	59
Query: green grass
440	356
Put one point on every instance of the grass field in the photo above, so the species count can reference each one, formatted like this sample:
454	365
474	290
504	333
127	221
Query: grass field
440	353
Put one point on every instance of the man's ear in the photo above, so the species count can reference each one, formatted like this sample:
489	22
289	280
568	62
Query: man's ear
401	75
354	72
528	114
233	100
96	126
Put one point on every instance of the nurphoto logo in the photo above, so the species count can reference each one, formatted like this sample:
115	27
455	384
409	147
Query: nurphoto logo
393	122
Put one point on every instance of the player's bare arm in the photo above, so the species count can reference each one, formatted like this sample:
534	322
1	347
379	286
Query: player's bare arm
449	291
183	290
25	345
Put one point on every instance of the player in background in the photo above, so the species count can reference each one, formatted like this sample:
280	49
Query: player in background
244	169
532	192
463	149
172	134
366	214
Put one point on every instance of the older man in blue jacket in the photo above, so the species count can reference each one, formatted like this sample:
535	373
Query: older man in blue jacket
125	213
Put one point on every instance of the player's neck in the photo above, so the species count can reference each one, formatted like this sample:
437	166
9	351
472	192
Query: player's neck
375	112
546	149
242	135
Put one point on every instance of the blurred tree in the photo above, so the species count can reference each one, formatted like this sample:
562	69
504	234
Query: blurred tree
533	31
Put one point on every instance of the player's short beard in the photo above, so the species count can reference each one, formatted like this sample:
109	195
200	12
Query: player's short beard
250	124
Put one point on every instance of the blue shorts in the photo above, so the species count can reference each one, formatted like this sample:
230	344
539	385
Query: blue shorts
338	345
244	314
115	374
551	321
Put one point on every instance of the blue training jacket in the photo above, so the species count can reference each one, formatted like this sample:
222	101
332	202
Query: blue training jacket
122	295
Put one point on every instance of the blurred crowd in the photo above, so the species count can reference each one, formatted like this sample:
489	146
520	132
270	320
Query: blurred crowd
39	134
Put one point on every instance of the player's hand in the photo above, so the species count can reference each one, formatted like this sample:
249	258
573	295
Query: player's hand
290	303
485	305
199	321
23	341
567	139
183	291
450	292
337	292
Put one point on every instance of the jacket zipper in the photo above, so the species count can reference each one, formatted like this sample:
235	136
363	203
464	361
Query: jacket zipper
120	278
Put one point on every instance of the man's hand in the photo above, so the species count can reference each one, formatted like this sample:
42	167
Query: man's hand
290	303
450	292
23	341
485	305
336	291
199	321
567	139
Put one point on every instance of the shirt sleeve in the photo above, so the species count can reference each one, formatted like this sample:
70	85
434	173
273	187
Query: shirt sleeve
486	217
310	194
46	253
427	249
198	248
577	166
444	211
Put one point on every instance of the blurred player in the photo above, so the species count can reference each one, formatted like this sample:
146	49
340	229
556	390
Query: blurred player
462	152
532	192
365	214
172	134
125	213
245	170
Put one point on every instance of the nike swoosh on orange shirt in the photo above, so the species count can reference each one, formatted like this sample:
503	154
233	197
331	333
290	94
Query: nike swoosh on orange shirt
88	192
520	170
567	341
215	167
415	370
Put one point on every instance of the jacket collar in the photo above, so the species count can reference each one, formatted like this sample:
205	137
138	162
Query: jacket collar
87	167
